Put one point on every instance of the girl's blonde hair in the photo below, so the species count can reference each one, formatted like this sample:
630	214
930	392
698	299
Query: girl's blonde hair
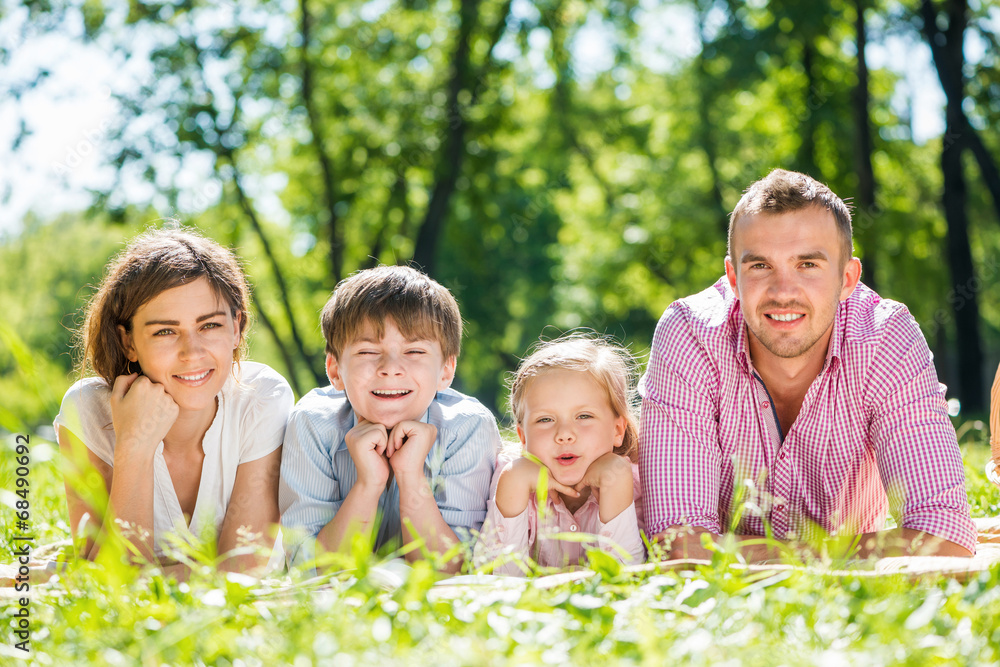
152	263
610	364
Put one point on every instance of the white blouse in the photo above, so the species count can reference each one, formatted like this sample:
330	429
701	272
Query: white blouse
249	424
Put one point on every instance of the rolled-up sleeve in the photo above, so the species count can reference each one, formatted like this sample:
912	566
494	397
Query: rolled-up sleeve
309	494
460	471
679	452
914	441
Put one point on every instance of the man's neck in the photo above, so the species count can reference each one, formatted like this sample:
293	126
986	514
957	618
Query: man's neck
788	380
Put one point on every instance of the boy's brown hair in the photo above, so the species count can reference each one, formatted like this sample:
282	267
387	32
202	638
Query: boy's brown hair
420	307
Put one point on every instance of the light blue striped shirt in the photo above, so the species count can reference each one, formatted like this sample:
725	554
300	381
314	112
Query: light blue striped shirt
317	471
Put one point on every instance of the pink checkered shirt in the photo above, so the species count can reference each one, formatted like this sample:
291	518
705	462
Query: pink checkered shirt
873	435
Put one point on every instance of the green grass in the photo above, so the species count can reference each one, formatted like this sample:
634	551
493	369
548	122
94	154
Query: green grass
378	614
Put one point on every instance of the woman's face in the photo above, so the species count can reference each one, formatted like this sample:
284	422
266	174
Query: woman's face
184	338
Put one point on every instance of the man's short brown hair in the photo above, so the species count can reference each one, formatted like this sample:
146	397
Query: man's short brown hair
783	191
420	307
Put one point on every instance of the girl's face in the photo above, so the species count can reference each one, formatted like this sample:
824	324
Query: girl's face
184	338
568	423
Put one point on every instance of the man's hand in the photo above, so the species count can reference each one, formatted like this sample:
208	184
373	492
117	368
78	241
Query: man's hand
142	413
612	474
367	443
519	481
409	444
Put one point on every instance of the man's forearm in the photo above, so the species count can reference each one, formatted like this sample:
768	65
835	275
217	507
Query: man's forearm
907	542
685	542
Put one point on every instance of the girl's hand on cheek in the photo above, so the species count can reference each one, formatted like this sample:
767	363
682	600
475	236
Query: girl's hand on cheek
608	471
529	471
612	474
142	414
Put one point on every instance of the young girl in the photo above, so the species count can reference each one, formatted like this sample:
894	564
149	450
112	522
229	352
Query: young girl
184	436
570	400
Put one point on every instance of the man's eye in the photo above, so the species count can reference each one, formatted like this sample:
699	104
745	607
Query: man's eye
163	332
808	265
758	265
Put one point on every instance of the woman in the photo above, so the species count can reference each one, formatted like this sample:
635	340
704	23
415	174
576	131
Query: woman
186	438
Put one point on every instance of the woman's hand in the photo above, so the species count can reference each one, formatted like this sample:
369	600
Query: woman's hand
518	481
142	413
612	474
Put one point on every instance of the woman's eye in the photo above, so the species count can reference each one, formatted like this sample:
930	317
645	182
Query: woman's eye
416	351
212	325
586	416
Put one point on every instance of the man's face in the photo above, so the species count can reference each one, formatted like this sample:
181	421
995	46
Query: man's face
392	378
789	276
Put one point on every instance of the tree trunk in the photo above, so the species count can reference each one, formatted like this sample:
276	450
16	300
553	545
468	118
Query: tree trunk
706	128
946	47
335	234
864	217
450	164
806	157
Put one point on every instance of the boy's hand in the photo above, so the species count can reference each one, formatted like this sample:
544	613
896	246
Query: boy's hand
519	481
367	444
409	444
142	413
612	474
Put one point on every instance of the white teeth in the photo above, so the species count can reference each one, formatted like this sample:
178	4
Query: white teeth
390	392
193	378
789	317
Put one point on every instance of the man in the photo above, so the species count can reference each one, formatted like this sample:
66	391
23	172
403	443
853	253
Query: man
790	399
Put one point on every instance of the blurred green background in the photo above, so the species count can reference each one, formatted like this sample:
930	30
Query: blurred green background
555	164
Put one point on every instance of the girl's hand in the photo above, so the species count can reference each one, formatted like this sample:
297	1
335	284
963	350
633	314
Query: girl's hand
142	414
366	443
519	481
612	474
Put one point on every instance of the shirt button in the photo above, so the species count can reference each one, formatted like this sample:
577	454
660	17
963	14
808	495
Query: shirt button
781	456
572	529
765	405
779	508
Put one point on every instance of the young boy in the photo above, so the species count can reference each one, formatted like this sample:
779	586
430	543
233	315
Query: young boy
388	438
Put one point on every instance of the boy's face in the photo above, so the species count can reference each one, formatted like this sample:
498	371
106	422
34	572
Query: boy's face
390	379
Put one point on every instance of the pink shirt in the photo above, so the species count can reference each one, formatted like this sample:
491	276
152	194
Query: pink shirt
872	437
523	536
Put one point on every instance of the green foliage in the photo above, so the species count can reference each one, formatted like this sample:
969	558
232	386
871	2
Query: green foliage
380	611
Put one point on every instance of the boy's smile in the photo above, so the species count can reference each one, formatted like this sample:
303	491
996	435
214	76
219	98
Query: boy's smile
392	379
